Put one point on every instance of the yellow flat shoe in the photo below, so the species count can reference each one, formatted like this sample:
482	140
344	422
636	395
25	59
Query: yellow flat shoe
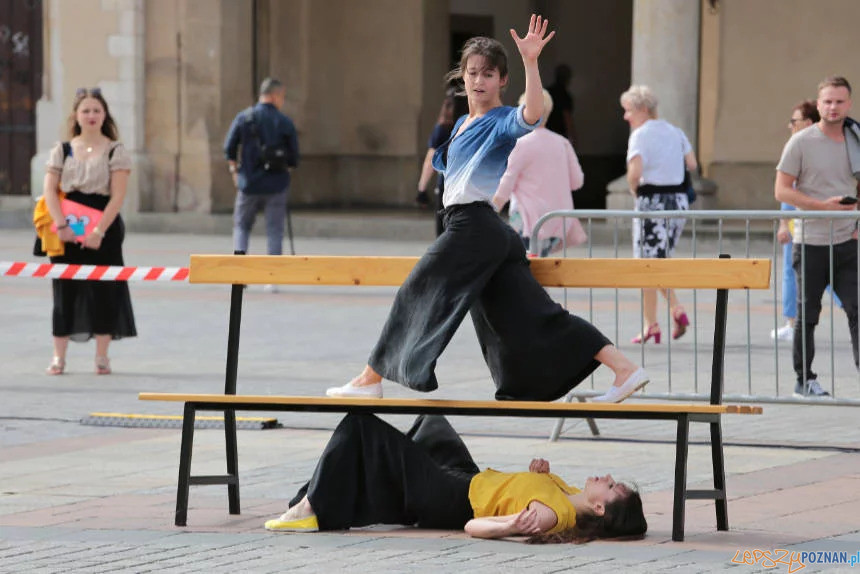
307	524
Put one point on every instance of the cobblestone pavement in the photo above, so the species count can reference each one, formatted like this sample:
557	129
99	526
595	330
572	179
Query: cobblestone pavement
80	498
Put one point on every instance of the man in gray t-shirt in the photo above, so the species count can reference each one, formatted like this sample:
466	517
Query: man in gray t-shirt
814	174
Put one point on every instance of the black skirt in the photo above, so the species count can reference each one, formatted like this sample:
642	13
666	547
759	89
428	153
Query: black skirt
83	308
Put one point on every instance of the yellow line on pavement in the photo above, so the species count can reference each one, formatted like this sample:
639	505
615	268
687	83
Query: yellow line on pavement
175	417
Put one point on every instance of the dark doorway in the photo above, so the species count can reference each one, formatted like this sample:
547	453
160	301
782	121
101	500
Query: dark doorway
20	89
463	27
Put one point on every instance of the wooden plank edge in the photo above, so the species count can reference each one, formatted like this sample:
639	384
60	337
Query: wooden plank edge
524	406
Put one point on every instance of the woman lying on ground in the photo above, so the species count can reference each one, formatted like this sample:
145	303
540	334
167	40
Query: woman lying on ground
371	473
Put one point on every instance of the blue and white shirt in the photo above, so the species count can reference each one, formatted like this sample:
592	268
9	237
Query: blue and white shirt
477	158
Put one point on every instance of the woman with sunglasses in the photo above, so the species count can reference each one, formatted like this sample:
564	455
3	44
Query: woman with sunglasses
92	170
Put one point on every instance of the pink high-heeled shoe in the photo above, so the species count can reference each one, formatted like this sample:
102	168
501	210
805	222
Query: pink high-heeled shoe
653	330
681	324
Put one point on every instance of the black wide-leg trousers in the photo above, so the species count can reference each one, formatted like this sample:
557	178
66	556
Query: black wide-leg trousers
371	473
534	348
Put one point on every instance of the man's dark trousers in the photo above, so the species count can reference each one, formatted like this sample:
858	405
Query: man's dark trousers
815	268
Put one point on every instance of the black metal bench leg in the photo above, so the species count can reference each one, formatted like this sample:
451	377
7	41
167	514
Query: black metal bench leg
681	448
232	460
185	465
722	505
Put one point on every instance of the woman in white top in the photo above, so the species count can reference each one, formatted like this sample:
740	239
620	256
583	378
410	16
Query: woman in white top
657	155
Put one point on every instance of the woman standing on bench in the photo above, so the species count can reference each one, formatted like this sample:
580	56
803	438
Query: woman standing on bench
371	473
534	348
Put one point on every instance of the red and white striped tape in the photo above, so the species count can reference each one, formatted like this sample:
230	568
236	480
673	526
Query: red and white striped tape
92	272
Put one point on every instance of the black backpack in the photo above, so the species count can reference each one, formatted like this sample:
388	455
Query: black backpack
273	158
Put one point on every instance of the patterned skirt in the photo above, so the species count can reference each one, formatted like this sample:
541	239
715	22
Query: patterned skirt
656	238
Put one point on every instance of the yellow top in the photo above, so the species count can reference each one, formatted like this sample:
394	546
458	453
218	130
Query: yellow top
494	493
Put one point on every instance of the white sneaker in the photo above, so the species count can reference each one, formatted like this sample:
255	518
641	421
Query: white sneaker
811	390
784	333
350	391
617	394
270	288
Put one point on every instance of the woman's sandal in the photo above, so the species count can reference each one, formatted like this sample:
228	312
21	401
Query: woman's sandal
102	366
57	366
681	323
653	330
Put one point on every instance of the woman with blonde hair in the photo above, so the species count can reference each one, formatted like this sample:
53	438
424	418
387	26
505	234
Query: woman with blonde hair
658	154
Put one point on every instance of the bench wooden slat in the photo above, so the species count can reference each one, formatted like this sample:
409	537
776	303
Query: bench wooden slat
550	272
430	404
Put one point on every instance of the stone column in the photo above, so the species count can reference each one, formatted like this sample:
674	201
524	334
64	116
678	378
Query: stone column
199	77
666	58
125	93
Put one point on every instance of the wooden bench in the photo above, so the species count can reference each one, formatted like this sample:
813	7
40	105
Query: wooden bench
238	270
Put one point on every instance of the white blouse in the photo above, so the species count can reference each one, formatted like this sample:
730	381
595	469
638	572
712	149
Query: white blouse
91	174
662	148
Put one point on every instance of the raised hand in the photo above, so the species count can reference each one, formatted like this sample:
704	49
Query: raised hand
532	43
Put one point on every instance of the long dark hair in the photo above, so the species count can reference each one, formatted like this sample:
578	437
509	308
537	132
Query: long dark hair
109	129
453	106
623	518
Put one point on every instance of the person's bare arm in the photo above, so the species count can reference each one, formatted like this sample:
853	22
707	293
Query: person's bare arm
634	174
785	192
783	234
535	518
690	161
233	166
50	188
118	186
427	170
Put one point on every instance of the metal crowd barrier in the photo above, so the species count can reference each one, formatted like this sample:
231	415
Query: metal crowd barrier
758	368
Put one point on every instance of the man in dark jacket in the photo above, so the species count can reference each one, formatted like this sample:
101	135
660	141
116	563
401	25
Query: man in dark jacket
261	149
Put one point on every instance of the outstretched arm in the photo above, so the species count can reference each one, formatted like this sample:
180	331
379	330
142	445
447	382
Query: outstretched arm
530	47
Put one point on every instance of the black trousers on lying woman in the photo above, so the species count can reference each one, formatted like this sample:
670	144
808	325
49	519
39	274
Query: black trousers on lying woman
371	473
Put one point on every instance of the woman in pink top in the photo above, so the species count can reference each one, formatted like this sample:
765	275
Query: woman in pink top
542	171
